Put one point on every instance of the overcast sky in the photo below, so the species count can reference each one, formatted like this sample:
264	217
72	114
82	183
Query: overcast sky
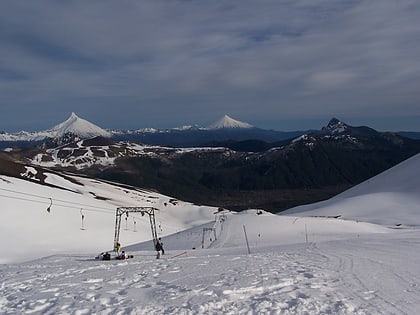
278	64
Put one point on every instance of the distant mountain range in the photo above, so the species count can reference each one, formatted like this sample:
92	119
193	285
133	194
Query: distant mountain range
235	166
223	130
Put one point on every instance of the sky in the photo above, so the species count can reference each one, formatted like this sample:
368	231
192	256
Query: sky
276	64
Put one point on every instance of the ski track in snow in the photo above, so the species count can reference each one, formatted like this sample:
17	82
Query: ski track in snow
338	277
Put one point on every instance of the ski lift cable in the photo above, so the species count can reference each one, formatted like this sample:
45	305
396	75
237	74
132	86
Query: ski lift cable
49	203
59	200
25	199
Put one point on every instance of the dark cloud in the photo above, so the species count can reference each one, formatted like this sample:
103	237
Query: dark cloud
130	64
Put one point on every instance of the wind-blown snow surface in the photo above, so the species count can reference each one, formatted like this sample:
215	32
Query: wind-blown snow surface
295	264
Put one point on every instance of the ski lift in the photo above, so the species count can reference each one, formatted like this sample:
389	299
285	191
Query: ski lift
83	218
150	211
134	222
126	221
49	207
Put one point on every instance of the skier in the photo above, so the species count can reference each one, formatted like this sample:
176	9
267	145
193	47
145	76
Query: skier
118	248
159	247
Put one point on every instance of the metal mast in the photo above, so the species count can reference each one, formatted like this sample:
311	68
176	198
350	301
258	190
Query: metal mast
143	210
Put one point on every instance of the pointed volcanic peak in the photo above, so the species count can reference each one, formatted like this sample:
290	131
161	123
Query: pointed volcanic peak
228	122
335	126
338	127
80	127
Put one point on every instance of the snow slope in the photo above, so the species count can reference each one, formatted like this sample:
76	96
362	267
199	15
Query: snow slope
365	276
251	262
28	231
390	198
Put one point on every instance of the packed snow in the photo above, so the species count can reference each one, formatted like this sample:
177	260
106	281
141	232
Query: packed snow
335	257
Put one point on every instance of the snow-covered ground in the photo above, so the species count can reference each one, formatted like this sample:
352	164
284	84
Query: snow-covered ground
367	275
28	231
364	262
391	198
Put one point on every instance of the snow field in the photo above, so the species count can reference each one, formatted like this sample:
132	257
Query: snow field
366	261
391	198
28	231
339	277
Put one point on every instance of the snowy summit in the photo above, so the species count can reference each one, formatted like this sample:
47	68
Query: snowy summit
79	127
335	126
74	124
228	122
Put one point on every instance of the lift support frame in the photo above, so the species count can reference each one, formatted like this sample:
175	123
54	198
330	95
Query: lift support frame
142	210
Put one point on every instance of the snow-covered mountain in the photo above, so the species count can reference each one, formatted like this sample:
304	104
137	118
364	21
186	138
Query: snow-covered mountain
389	199
335	126
79	127
73	125
251	262
102	152
223	129
229	122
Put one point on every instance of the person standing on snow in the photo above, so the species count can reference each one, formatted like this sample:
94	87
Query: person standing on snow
159	247
118	248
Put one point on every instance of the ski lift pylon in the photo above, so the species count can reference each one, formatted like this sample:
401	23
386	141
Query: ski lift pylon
143	210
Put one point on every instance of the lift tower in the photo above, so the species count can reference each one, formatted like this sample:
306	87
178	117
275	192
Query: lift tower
126	210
